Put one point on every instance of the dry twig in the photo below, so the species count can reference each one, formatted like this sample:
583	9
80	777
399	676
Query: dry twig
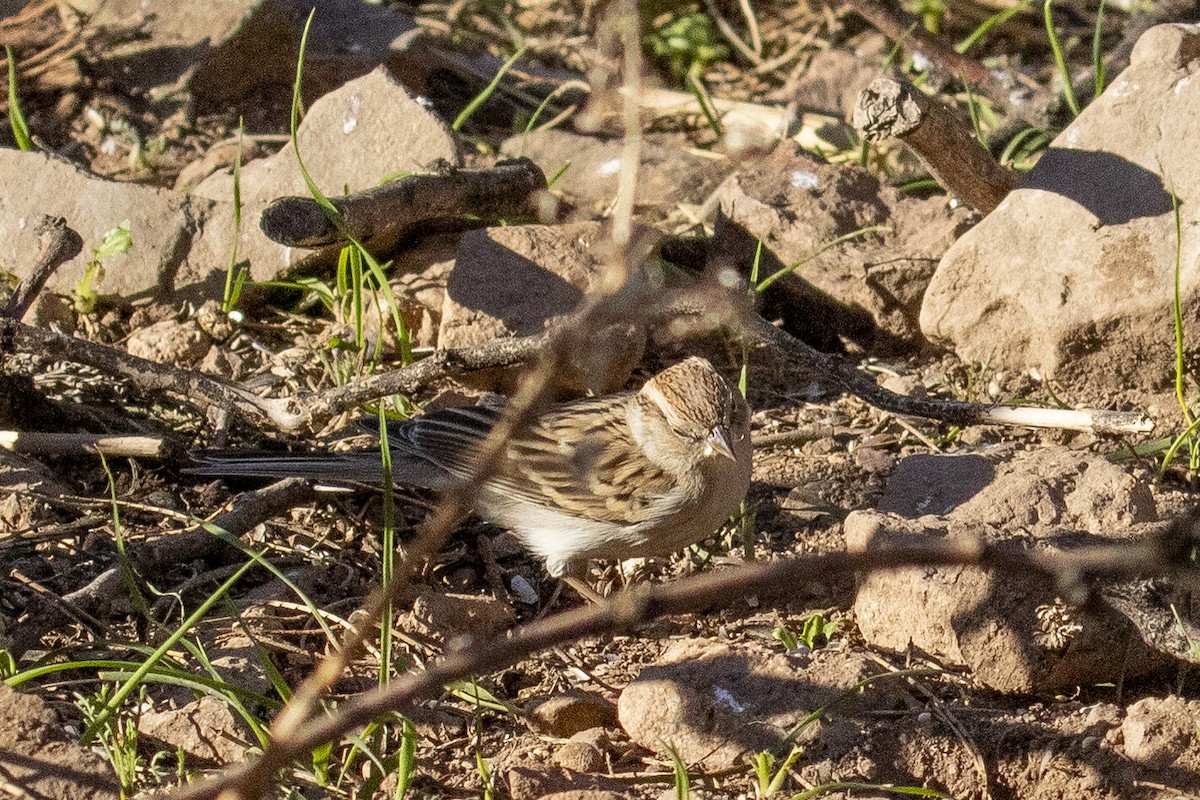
381	217
59	245
761	333
1073	572
941	138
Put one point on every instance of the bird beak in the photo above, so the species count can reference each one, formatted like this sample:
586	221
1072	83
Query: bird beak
718	442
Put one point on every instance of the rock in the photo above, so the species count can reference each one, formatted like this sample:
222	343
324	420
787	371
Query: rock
531	783
567	714
221	156
38	757
1008	629
586	751
204	729
1161	731
1072	274
352	138
170	342
669	172
1043	487
514	281
454	615
580	757
179	242
715	703
243	52
868	289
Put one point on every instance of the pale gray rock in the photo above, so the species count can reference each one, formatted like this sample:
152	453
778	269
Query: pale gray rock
516	280
204	729
231	52
538	783
351	139
716	702
39	758
354	136
868	289
565	715
1161	731
1008	629
1072	274
669	173
170	342
180	243
451	616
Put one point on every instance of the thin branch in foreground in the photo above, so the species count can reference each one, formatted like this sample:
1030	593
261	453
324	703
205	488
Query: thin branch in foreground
1166	555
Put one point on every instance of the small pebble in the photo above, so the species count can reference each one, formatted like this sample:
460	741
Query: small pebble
524	592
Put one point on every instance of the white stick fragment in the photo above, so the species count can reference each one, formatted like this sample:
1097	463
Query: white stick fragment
1082	419
66	444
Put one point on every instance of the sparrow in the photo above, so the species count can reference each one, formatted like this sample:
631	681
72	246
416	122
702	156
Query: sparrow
619	476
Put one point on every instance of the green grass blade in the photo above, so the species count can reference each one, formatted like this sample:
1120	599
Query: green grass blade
767	281
1177	313
683	784
388	556
373	266
1098	53
1060	60
989	24
16	118
696	86
135	680
235	278
406	765
488	90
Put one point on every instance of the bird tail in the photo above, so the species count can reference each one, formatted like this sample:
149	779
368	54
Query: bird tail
330	468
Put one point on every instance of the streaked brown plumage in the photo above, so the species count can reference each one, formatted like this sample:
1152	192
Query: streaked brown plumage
631	474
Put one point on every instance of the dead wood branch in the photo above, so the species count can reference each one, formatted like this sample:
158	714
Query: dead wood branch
325	405
250	509
941	138
59	245
67	444
379	218
1072	572
698	307
844	374
148	376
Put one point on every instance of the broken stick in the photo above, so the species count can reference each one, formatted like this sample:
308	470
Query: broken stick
941	138
381	217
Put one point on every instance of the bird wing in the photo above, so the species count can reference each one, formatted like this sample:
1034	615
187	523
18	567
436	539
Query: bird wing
579	458
582	460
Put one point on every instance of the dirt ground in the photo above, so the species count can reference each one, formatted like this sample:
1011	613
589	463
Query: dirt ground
930	725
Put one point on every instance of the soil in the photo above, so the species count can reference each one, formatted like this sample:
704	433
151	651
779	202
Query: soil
936	727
